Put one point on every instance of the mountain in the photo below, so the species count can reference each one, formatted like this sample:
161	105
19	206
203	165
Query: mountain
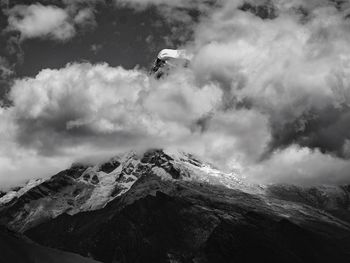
84	188
18	249
2	194
15	192
333	199
79	188
161	206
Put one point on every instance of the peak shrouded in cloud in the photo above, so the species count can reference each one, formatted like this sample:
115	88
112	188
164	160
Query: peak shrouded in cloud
267	92
84	103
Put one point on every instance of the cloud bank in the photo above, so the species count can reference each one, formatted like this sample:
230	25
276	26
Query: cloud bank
267	94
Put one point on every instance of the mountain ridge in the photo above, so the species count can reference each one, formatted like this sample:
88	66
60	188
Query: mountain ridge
172	207
89	187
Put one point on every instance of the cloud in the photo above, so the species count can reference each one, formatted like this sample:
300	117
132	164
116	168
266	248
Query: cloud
86	109
77	102
6	72
96	104
293	71
182	15
95	48
267	94
5	68
40	21
85	17
18	165
37	20
300	165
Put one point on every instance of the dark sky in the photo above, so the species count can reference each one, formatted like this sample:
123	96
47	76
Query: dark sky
121	37
121	33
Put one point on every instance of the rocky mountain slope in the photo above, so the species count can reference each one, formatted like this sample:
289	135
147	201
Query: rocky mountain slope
85	188
161	220
161	206
18	249
333	199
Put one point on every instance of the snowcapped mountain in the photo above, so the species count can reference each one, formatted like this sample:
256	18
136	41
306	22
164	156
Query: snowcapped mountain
85	188
172	207
16	192
333	199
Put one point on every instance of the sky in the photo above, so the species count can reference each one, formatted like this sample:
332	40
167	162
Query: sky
266	94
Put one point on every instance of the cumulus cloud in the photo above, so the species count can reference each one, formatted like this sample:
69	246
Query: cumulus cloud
89	109
97	104
267	92
38	20
48	21
294	71
299	165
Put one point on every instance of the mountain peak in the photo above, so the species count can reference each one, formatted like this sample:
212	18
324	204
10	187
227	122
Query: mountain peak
85	187
135	188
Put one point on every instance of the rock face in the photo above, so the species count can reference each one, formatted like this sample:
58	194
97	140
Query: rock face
183	221
161	206
333	199
79	188
18	249
85	188
169	59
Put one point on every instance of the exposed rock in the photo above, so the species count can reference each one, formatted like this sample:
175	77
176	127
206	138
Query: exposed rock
84	188
333	199
163	206
194	223
109	166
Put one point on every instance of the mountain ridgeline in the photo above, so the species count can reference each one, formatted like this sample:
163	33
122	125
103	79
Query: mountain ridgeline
161	206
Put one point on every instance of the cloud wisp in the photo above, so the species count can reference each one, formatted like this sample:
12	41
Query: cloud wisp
267	93
49	21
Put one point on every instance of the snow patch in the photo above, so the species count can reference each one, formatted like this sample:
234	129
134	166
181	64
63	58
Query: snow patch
15	194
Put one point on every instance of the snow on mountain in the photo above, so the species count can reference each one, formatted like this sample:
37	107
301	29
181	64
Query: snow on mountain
110	180
207	173
333	199
84	188
79	188
181	209
19	191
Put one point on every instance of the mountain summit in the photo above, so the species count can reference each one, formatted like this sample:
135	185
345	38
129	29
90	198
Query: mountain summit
161	206
89	187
